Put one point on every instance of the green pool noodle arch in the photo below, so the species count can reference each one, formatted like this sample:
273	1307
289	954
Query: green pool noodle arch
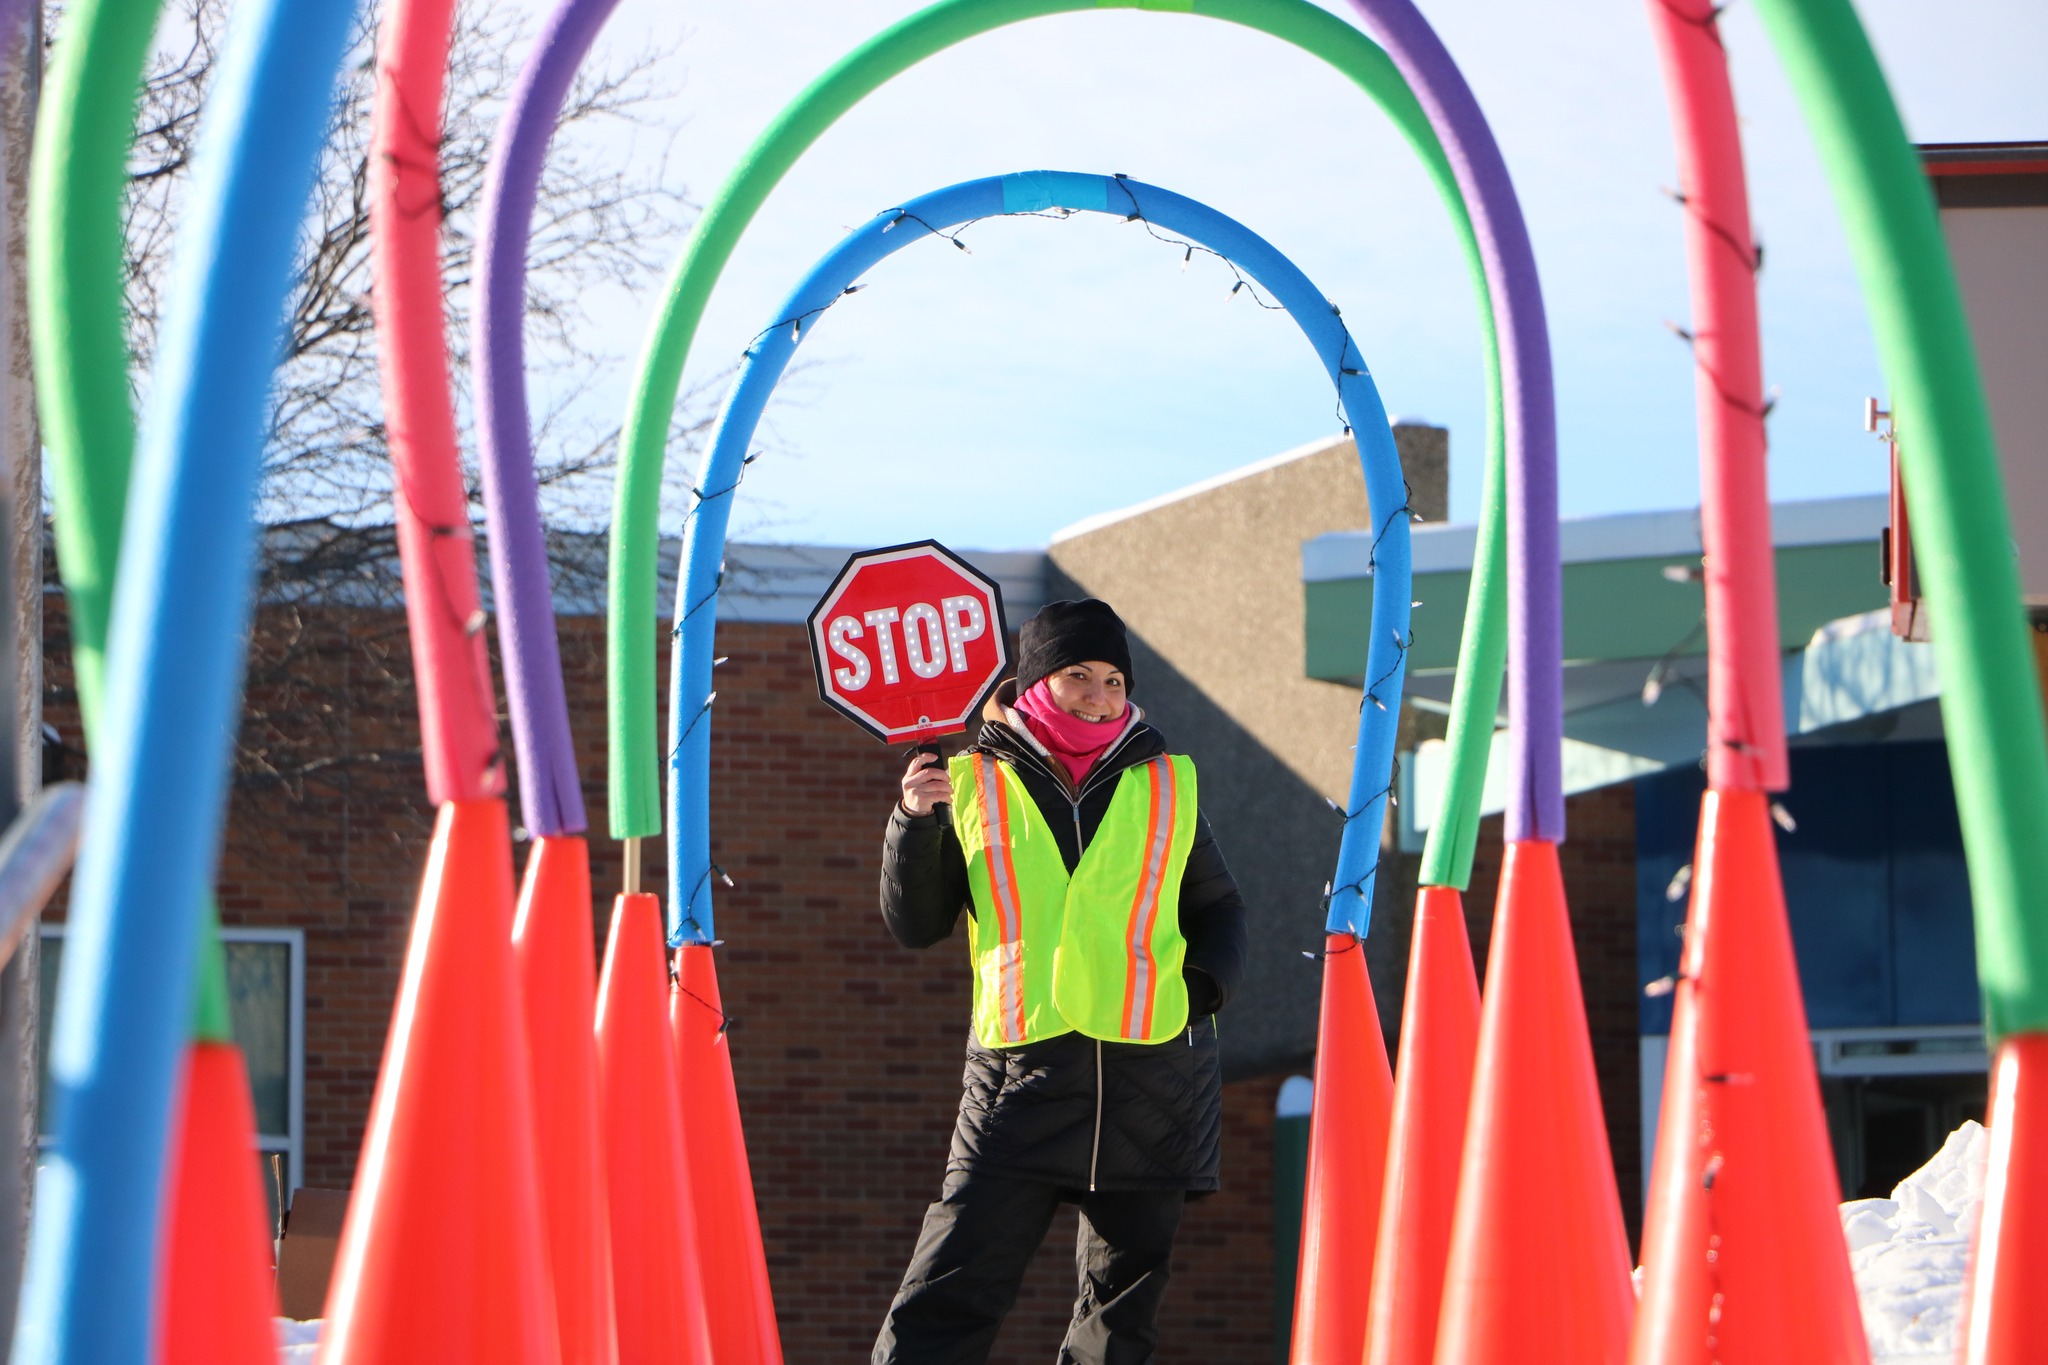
634	779
77	321
1962	534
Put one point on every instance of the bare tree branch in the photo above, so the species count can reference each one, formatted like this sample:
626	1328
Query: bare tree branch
326	501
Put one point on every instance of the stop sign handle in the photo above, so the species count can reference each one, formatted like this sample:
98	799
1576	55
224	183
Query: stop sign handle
927	747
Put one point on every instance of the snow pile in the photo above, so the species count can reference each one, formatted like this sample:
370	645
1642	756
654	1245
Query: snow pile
297	1341
1909	1252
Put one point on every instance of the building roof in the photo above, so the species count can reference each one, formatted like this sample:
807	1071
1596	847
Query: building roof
1628	593
781	583
763	583
1634	607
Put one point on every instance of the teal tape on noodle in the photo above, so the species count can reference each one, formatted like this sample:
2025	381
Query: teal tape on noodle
1037	191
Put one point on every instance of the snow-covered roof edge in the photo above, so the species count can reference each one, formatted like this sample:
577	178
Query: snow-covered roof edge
1229	476
763	583
1448	548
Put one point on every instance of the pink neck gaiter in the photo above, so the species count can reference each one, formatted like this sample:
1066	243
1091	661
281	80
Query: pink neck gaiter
1076	743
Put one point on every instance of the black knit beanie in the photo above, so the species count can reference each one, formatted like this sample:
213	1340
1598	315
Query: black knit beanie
1072	633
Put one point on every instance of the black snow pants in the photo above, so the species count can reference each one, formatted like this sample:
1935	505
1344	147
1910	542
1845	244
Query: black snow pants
971	1256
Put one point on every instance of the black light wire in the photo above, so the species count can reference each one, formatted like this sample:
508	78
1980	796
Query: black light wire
1241	283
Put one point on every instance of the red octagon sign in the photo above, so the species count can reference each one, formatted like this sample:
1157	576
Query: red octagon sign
909	641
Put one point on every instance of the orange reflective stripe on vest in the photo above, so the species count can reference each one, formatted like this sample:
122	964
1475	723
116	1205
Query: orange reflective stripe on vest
1139	974
992	798
1097	949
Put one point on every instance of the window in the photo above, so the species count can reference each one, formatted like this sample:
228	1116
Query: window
266	994
1894	1095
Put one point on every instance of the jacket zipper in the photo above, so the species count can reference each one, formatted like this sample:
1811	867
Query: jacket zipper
1095	1148
1081	847
1095	1152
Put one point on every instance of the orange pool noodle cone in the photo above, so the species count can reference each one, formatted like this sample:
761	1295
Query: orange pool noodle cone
655	1276
721	1182
219	1294
441	1255
558	985
1347	1153
1432	1091
2005	1304
1743	1256
1538	1272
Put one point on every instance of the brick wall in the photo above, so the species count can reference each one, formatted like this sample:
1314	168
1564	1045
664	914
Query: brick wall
848	1053
848	1049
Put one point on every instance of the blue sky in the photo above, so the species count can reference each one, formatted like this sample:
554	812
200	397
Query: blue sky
1064	369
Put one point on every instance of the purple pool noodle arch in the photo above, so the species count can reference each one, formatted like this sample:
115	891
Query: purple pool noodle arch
550	795
1535	570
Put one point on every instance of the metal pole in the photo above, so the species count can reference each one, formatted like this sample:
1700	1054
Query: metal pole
21	638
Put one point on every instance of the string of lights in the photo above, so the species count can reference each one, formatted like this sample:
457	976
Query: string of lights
689	913
470	624
1353	371
726	1022
1708	1142
706	600
1358	887
1241	282
952	236
1759	411
1137	215
1348	365
1391	792
1367	879
702	711
1372	552
1751	255
1674	890
1352	944
1661	671
796	322
1401	648
1708	23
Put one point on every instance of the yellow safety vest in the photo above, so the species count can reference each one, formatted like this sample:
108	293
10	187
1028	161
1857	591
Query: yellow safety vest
1098	951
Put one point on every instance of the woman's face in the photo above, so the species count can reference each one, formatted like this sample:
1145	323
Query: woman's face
1093	691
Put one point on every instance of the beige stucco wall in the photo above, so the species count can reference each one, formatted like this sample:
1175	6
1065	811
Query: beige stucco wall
1209	582
1212	581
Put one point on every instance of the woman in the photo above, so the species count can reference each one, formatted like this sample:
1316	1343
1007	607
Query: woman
1105	932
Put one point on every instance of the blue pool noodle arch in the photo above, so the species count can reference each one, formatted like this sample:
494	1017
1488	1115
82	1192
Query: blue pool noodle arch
704	536
175	652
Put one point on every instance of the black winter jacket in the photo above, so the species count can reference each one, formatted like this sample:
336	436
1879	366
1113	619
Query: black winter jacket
1072	1111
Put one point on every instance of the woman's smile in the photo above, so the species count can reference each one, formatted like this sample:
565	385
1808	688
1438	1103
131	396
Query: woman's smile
1094	691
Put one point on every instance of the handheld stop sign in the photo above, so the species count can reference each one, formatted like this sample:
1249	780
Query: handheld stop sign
909	641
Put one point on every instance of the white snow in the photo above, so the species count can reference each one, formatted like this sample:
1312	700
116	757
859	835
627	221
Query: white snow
1909	1252
297	1341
